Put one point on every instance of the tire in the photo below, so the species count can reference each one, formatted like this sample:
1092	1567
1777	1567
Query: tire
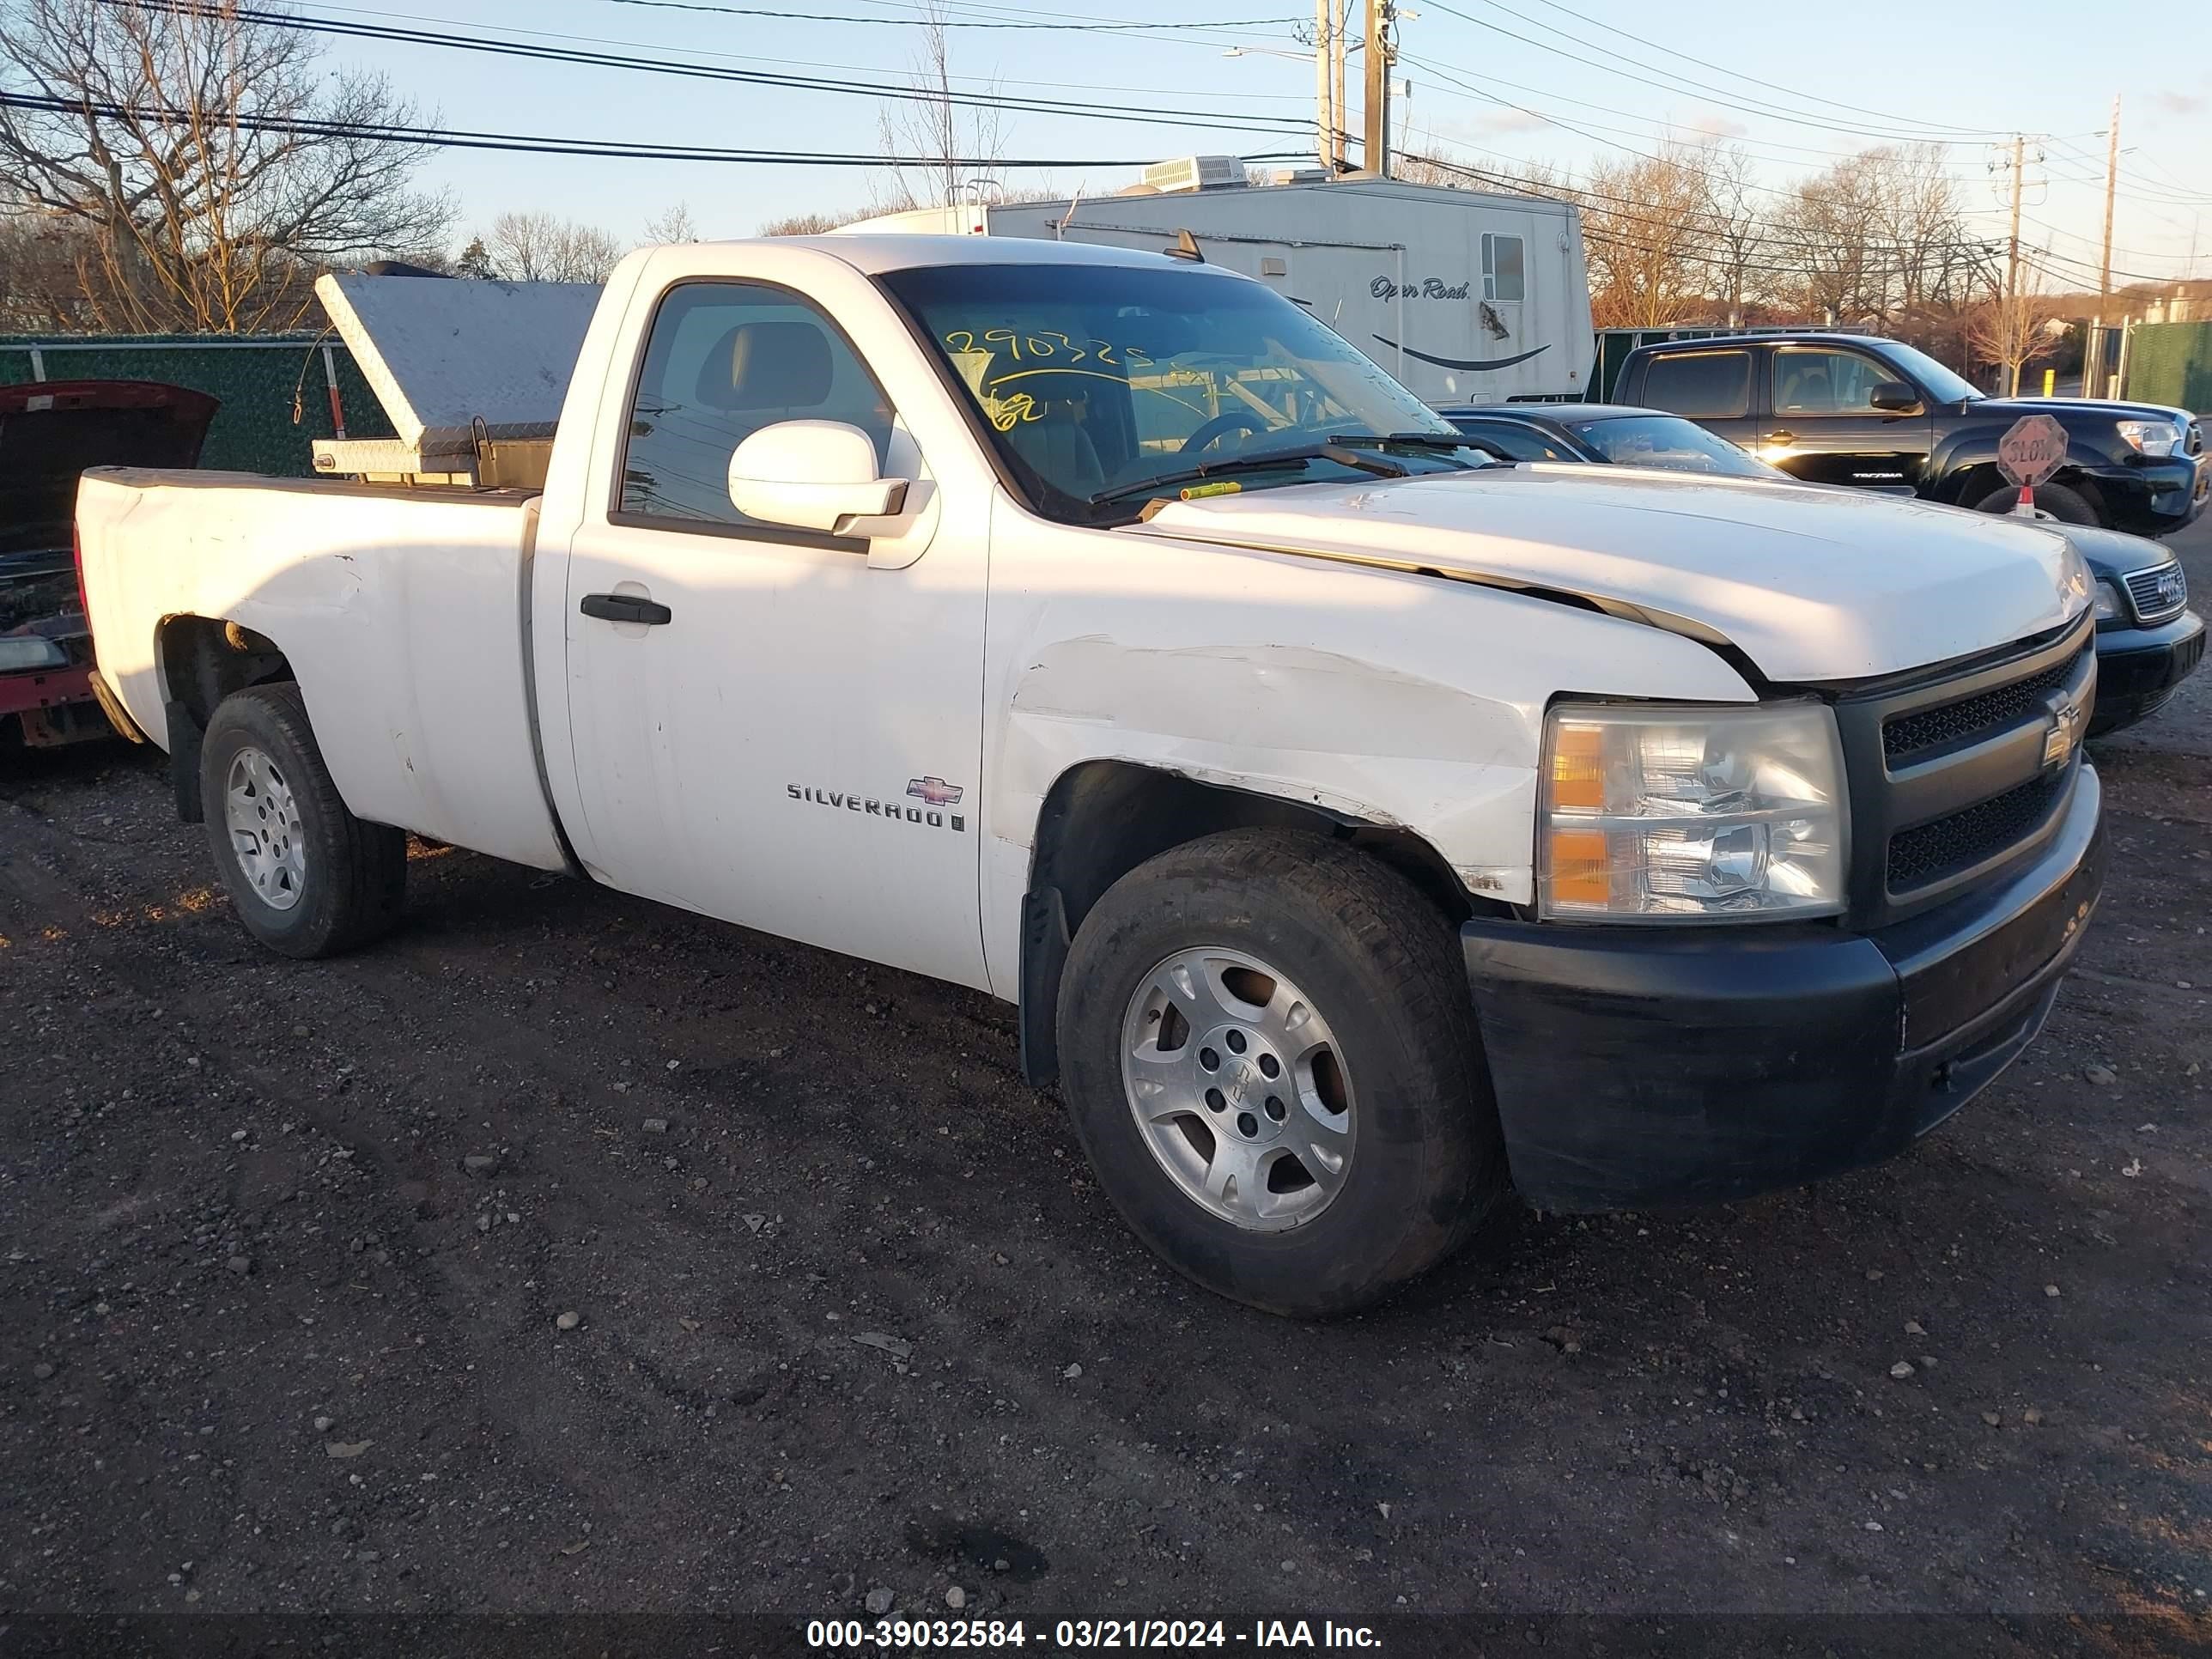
2067	506
322	882
1282	915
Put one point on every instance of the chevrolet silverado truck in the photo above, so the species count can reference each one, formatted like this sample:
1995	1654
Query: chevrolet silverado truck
1855	410
1361	829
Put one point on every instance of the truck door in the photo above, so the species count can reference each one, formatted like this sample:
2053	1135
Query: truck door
1822	426
1708	383
767	727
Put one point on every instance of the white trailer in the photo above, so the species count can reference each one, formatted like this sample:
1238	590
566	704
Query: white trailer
1463	295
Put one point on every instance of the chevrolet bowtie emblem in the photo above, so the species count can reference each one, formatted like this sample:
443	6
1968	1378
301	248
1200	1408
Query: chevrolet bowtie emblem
2064	733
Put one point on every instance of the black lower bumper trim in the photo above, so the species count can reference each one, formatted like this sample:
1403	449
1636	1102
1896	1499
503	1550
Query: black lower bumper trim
1636	1066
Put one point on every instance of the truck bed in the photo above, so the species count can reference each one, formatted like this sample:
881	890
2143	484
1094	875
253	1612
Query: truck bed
403	612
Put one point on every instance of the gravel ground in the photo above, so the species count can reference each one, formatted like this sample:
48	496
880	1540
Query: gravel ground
568	1253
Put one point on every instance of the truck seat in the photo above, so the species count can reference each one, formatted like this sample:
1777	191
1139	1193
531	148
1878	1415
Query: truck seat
776	366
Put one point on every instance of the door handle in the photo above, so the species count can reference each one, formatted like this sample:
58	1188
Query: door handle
625	608
1782	437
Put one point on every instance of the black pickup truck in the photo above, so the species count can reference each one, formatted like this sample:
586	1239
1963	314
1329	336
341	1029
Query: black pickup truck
1850	408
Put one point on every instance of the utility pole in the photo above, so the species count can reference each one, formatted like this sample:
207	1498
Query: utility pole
1324	115
2112	188
2012	242
1329	85
1378	104
2011	311
2092	366
1338	115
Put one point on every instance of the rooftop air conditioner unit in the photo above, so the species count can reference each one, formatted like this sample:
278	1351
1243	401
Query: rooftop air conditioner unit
1194	173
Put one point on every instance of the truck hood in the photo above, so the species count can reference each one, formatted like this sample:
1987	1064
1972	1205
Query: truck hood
51	430
1812	585
2086	408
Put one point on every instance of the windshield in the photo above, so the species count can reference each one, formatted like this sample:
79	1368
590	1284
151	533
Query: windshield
1095	381
1937	381
1669	442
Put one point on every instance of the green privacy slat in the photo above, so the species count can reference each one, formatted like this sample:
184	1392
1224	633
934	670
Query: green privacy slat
2171	364
256	381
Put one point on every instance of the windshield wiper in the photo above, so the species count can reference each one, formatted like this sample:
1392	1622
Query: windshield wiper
1332	450
1439	440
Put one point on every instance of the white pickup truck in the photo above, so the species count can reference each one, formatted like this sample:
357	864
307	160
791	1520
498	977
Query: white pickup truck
1363	829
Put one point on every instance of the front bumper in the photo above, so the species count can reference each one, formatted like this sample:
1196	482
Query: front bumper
2139	668
1642	1065
2155	497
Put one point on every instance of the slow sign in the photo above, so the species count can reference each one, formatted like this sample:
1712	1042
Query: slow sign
2031	450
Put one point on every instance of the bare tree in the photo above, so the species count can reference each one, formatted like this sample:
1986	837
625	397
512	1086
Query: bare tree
40	292
2014	332
674	226
1737	265
936	149
1648	242
542	247
173	152
810	224
1829	230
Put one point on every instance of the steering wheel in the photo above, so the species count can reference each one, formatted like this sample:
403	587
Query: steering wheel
1229	421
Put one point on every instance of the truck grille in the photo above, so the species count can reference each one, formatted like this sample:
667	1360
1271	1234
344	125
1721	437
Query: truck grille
1955	775
1909	735
2158	592
1928	852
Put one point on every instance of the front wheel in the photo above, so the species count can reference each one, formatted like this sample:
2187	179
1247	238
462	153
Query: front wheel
305	876
2053	501
1271	1060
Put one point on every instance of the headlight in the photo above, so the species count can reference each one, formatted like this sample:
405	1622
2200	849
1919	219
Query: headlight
2108	601
2157	439
1652	813
30	651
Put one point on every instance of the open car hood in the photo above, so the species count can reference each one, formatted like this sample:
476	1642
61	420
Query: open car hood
1811	585
51	430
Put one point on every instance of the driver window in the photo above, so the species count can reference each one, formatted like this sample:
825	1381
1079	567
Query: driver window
1811	381
722	361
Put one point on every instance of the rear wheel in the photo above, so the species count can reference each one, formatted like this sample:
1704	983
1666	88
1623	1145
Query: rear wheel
305	876
1270	1057
2067	506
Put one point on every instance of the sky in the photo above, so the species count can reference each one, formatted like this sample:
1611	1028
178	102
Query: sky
1559	81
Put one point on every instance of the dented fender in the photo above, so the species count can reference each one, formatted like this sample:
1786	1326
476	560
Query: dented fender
1378	696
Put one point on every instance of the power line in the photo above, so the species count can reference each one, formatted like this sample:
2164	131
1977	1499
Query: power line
744	58
1746	237
1738	75
1100	26
454	138
1677	84
1460	83
1141	114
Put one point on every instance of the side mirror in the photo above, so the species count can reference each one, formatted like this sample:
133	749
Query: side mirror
811	475
1894	395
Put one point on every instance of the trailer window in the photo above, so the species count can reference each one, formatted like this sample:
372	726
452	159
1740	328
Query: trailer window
1705	386
722	361
1501	267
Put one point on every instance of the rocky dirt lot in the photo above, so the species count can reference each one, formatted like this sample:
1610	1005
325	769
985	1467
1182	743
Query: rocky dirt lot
568	1253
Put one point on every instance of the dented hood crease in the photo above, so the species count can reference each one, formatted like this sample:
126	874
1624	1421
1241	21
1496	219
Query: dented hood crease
1809	584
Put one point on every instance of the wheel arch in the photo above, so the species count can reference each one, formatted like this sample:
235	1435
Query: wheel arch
200	660
1103	817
